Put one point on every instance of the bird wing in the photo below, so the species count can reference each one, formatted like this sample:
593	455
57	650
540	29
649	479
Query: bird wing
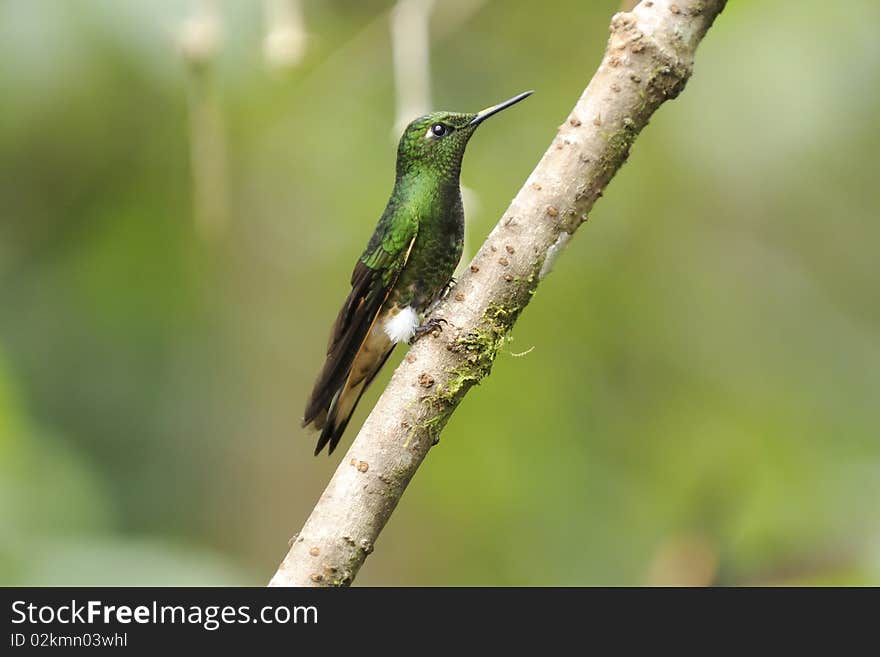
373	278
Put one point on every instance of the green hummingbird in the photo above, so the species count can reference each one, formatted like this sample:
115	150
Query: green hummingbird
405	269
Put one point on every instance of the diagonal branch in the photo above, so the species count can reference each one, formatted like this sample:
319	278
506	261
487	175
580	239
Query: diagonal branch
648	60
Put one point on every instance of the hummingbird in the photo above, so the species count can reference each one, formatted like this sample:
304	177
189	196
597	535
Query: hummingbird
406	268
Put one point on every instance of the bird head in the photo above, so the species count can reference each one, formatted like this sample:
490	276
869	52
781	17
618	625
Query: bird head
436	142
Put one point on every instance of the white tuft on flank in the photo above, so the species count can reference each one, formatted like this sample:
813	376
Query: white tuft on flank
402	326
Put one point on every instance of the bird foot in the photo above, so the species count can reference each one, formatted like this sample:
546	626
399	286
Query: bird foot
433	324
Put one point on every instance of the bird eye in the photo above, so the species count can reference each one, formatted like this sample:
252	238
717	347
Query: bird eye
439	130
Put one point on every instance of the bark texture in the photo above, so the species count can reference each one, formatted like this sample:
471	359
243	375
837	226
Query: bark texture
648	61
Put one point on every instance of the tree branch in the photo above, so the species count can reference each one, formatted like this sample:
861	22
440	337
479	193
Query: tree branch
648	60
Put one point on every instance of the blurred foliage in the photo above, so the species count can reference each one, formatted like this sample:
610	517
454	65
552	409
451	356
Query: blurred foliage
701	401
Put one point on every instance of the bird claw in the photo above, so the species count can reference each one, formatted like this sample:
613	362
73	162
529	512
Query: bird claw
433	324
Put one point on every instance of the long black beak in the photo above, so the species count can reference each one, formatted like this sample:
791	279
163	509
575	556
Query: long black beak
482	115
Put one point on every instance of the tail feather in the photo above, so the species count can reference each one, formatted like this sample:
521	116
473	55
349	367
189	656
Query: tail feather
370	358
341	410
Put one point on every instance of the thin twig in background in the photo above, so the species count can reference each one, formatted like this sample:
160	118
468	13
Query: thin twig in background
199	41
648	60
447	18
410	51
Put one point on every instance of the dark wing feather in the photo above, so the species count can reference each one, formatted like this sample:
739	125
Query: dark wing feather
368	293
372	279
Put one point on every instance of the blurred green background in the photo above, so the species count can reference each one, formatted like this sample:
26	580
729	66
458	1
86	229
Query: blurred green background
180	217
